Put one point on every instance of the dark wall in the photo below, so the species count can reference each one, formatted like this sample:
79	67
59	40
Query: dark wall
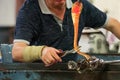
6	34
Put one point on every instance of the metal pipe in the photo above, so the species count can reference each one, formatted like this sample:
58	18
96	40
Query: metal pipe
110	62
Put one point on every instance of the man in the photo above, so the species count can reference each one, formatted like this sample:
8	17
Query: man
43	27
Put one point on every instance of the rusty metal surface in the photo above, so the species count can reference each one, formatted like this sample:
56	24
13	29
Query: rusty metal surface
33	67
37	71
60	67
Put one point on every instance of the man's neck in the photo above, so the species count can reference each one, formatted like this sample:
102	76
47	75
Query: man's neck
58	11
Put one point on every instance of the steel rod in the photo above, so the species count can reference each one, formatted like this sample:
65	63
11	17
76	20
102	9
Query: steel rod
110	62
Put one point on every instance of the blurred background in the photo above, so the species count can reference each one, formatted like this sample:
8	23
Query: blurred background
8	13
94	41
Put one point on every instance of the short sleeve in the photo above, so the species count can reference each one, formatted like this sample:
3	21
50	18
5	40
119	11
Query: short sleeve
93	16
25	23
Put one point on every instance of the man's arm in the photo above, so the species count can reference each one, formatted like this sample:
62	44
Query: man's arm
24	53
17	50
113	25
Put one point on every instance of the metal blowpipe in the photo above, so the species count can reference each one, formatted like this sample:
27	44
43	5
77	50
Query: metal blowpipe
110	62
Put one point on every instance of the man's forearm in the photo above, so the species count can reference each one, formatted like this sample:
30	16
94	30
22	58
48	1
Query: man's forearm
113	26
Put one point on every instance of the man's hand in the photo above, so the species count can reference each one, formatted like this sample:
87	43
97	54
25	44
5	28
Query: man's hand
50	56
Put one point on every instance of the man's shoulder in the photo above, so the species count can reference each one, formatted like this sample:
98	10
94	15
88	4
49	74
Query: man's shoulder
30	9
30	5
29	2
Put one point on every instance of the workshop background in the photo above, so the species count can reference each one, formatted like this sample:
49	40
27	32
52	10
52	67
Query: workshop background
90	40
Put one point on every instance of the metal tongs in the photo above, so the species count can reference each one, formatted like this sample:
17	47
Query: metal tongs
72	51
84	65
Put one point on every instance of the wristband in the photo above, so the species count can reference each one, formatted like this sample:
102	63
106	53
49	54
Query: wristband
32	53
